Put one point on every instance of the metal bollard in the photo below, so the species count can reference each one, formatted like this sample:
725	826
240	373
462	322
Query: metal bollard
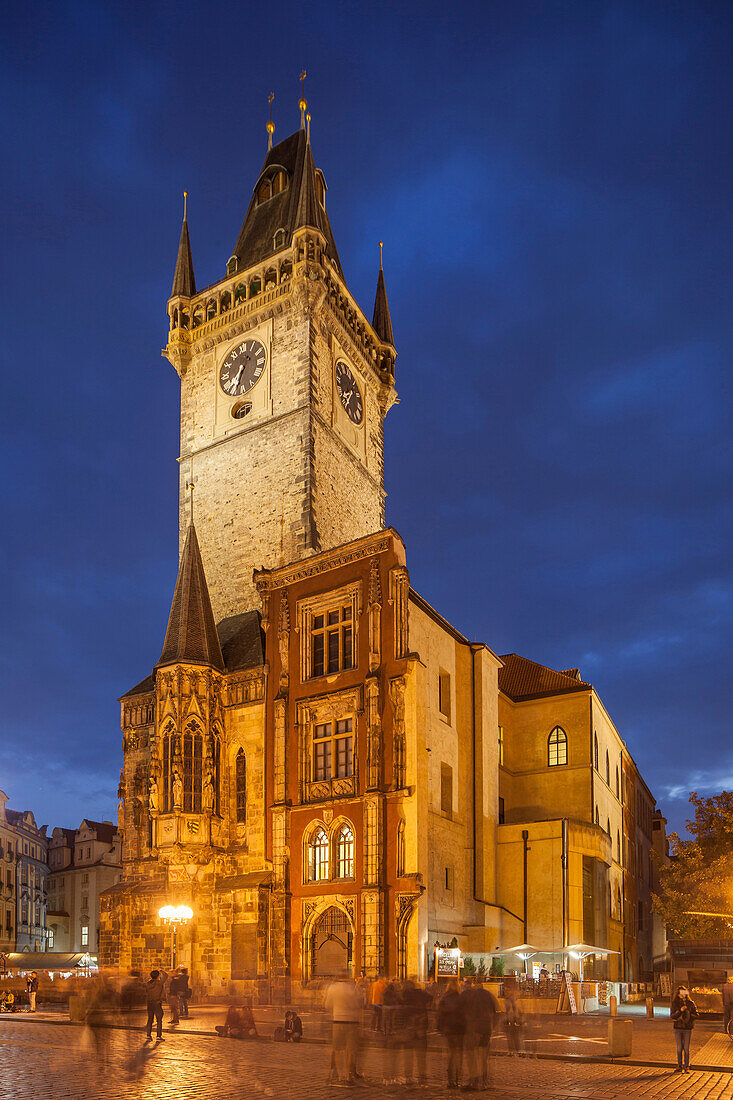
650	1008
613	1005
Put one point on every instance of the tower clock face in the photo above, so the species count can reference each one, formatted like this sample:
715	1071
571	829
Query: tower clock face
242	368
348	392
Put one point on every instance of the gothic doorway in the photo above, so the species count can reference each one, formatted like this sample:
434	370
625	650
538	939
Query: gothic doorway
332	944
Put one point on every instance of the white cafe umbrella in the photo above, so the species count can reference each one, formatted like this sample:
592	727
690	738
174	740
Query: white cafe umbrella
523	950
583	951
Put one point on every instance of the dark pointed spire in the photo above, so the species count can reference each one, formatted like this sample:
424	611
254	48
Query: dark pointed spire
191	637
382	322
184	283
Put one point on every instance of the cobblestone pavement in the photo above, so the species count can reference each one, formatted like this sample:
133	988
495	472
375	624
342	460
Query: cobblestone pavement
41	1061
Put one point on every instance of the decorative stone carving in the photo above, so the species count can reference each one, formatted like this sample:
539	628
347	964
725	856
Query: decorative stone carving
399	592
280	749
328	816
152	795
375	616
374	734
283	641
177	789
397	695
265	582
208	791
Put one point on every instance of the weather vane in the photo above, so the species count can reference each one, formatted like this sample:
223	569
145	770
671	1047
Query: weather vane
270	126
303	102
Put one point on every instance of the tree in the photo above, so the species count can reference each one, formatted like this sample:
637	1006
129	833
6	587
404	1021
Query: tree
699	875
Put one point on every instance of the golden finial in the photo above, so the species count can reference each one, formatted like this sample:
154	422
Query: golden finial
302	103
381	245
185	205
270	125
308	120
191	487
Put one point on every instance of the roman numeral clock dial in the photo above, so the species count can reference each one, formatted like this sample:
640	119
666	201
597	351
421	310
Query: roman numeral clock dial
348	392
242	368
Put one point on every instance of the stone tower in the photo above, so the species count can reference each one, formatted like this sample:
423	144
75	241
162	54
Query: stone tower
284	387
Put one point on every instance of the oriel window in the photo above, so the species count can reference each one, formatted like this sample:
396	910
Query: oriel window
332	641
333	749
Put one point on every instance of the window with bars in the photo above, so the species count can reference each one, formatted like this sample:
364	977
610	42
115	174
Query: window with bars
333	749
332	641
240	779
318	862
557	748
345	852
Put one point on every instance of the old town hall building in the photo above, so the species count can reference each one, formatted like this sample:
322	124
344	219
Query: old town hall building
323	768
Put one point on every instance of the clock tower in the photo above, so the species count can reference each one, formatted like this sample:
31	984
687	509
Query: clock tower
285	385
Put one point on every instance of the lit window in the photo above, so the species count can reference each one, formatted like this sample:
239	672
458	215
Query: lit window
333	749
501	744
241	783
49	941
345	852
85	935
331	641
318	856
557	748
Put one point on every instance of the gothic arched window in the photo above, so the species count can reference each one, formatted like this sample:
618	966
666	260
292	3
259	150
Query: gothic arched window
240	779
216	762
595	751
608	770
318	856
193	752
168	754
557	748
618	787
345	852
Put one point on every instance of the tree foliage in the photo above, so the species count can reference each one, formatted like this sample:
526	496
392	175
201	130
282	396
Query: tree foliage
699	875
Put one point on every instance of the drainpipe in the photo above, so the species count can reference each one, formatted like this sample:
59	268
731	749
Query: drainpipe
564	861
525	838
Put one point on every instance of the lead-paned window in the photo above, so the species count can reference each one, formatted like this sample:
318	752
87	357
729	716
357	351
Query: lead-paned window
333	749
345	852
241	786
318	856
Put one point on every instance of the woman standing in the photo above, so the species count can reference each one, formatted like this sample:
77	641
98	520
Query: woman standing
683	1011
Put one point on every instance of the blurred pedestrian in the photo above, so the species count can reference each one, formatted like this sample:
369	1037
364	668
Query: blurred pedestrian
32	984
452	1026
514	1021
480	1010
185	992
344	1004
727	1002
175	986
417	1005
154	994
376	999
683	1012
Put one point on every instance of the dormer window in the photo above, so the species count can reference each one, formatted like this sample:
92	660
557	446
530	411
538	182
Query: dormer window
279	240
321	188
274	182
232	265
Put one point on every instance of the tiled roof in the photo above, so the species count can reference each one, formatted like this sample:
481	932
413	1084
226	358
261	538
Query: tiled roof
104	829
521	678
191	635
294	208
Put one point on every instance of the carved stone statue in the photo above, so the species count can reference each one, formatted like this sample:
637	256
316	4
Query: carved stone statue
152	795
208	793
177	789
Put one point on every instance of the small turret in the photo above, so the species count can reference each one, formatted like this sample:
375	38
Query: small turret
191	637
382	322
184	281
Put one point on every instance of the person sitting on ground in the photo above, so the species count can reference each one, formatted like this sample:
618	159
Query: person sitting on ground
239	1023
293	1027
8	1001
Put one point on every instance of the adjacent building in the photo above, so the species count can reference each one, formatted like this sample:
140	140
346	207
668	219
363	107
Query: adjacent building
83	863
326	770
31	870
8	896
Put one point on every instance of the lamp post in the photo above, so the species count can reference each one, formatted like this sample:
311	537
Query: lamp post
174	915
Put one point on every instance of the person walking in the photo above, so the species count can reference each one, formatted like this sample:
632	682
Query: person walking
175	987
727	1002
32	984
452	1025
154	994
185	994
344	1003
683	1012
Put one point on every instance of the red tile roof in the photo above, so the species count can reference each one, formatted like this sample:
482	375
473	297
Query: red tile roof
521	678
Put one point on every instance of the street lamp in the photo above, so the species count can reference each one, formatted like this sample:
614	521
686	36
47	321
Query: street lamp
174	915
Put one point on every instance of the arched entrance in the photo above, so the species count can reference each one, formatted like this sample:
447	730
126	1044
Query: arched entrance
331	944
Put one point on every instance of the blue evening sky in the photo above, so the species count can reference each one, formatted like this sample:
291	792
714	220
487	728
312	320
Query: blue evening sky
553	185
